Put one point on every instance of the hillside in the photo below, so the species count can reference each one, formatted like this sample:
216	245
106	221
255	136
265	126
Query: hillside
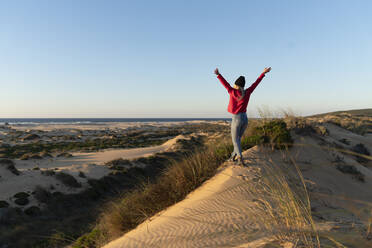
356	112
266	203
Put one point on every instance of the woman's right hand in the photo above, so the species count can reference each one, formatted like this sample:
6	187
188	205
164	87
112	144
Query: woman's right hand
216	72
266	70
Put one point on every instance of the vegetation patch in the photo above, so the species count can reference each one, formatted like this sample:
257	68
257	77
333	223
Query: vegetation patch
350	169
21	201
354	123
31	136
345	141
67	180
81	174
4	204
21	198
45	154
89	240
33	211
9	165
118	164
48	172
127	140
28	156
64	155
21	195
41	194
274	133
361	149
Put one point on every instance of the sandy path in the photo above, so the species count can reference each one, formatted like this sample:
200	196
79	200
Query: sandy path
110	154
211	216
94	158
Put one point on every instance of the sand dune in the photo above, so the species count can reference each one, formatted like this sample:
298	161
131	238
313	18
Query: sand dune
216	214
211	216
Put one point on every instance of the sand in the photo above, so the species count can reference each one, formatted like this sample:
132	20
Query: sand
211	216
215	214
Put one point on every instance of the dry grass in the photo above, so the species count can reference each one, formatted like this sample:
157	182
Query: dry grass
281	204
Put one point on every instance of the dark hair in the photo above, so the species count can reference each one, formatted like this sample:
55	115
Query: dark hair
240	81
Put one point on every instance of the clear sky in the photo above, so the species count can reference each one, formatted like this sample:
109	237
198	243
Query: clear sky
86	58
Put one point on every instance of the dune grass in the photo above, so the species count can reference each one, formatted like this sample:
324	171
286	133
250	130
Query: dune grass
282	205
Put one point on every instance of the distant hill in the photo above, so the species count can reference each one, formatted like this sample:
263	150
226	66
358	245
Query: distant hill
357	112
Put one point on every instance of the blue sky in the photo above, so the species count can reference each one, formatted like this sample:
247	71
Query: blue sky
156	58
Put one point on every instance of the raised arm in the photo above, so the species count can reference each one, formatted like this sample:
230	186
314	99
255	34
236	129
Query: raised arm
223	81
258	80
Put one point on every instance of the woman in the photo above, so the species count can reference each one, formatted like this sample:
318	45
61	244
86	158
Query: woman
239	98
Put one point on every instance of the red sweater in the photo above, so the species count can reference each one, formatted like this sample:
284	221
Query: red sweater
235	105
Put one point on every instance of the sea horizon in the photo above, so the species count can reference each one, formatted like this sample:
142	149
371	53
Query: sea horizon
85	121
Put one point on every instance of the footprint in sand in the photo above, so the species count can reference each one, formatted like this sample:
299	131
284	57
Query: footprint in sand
244	177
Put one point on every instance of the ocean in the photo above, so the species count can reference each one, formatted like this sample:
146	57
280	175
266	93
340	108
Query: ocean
87	121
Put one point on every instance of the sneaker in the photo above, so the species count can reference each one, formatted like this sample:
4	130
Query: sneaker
241	161
232	158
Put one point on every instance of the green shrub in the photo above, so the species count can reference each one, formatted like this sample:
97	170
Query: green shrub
274	133
253	140
88	240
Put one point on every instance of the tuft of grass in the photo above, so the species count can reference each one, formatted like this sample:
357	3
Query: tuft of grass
88	240
281	205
